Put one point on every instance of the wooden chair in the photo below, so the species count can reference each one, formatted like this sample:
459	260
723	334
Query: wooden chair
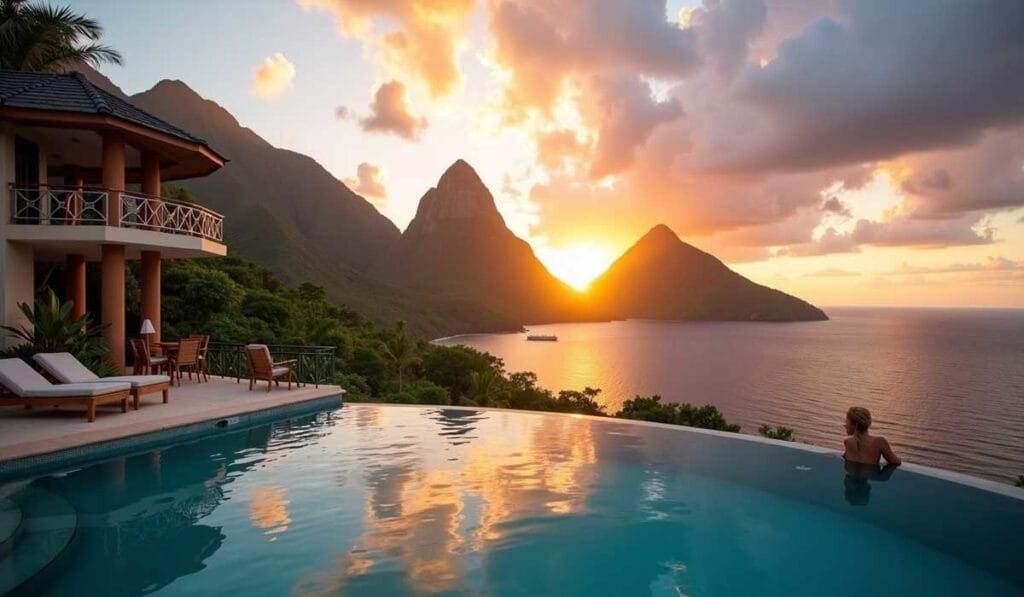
262	367
146	363
187	358
204	347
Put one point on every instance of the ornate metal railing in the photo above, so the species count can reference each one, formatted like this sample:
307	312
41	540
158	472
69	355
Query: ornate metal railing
168	215
313	364
40	204
88	206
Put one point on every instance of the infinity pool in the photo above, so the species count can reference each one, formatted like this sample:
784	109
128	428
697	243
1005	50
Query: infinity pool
390	500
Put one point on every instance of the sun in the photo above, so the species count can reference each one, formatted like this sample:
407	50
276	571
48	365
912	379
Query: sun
577	265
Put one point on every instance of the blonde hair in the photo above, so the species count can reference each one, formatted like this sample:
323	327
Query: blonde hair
859	417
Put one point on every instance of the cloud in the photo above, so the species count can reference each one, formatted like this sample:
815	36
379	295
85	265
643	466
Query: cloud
389	113
628	115
828	243
343	113
834	205
725	31
833	272
879	79
540	45
991	264
926	234
418	38
988	176
554	147
272	78
368	182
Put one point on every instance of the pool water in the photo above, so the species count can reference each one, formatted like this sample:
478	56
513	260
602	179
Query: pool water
391	500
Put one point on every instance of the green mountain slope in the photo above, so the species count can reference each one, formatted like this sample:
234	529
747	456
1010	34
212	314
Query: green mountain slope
285	212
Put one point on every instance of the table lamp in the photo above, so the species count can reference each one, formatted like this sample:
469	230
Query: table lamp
147	330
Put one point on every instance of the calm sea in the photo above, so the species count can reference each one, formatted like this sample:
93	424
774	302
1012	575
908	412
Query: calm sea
945	386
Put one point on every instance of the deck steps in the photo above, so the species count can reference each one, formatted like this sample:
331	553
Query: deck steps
46	525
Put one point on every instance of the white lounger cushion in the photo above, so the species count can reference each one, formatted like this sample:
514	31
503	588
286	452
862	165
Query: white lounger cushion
135	380
279	371
18	377
67	369
66	390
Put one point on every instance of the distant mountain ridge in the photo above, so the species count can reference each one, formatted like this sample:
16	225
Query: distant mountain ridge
662	277
457	268
286	212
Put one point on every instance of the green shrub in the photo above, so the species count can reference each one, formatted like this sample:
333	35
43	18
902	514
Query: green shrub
428	392
651	409
1020	481
400	398
581	402
782	433
51	328
355	386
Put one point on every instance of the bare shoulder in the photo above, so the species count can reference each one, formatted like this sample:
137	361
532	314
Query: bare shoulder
881	442
850	441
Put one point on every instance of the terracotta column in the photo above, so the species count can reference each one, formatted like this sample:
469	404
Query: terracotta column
76	284
149	283
113	174
151	185
112	302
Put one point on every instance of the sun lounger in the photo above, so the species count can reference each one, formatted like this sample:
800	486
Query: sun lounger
65	368
24	386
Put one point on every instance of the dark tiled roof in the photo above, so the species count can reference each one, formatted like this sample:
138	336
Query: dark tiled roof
72	92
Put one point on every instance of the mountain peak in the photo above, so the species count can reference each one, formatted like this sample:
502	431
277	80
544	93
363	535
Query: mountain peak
460	175
661	233
459	195
174	86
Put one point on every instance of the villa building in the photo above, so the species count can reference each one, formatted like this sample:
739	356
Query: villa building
82	172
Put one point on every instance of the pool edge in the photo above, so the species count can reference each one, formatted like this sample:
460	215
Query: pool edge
979	483
70	457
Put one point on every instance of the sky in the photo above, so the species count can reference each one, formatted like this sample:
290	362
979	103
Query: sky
849	152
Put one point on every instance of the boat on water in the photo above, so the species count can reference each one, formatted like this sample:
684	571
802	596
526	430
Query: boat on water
542	338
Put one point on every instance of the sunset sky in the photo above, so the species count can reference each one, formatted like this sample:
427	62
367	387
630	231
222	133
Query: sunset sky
847	152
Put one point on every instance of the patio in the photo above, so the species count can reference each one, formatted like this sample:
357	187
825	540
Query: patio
33	432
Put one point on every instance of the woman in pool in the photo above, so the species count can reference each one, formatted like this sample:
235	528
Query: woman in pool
861	446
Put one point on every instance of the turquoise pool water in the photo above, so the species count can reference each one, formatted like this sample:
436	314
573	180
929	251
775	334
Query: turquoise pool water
389	500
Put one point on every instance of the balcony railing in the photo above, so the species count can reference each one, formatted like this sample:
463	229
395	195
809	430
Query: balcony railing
91	206
313	364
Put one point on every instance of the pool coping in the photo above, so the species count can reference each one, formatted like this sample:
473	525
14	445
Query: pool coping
989	485
30	465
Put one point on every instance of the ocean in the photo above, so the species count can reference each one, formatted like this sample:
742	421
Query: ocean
945	386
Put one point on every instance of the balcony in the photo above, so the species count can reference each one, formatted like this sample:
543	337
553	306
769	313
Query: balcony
45	205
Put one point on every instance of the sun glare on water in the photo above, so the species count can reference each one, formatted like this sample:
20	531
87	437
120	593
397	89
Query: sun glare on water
577	265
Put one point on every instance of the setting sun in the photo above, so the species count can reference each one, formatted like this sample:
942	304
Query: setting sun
577	265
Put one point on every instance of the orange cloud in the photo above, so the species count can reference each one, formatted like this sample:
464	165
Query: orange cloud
368	182
424	43
272	78
389	113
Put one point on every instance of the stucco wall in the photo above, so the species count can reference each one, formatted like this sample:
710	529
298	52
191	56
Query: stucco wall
16	259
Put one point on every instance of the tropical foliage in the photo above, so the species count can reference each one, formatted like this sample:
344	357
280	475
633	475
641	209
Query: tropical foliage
41	37
653	409
779	432
50	327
